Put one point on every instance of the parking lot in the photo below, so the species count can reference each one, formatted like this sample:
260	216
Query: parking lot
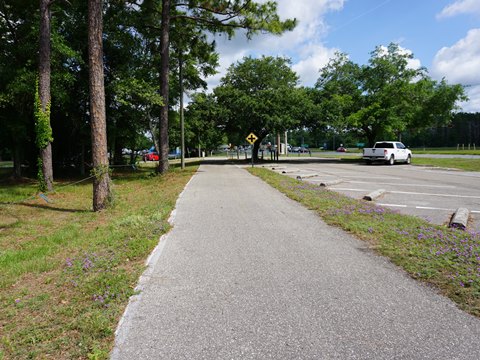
430	193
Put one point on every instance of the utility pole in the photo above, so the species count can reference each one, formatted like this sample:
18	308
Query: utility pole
279	146
182	121
286	142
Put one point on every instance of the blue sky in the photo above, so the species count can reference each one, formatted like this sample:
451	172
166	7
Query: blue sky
443	35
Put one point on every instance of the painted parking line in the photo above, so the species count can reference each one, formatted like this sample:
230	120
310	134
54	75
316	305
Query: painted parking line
430	194
349	189
432	208
414	193
392	205
403	184
416	207
369	177
423	207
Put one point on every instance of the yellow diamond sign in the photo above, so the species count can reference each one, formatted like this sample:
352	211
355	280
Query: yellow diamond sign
252	138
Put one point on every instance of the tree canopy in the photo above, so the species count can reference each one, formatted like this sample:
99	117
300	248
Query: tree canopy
260	96
385	97
133	70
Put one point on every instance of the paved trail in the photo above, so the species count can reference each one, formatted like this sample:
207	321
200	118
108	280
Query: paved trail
248	274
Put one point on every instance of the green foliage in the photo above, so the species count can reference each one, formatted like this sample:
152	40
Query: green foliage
201	119
100	171
137	92
260	96
43	137
42	185
385	97
223	16
132	62
43	129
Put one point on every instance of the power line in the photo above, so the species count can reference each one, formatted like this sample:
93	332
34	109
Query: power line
361	15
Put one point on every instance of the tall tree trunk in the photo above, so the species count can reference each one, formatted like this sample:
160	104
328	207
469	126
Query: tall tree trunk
165	57
118	158
256	147
101	182
17	161
44	86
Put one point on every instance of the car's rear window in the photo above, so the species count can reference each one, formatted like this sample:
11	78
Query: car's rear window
384	145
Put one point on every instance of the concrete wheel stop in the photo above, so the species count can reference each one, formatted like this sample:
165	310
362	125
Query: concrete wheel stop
459	219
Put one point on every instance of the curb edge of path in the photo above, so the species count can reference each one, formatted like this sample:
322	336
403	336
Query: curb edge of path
120	332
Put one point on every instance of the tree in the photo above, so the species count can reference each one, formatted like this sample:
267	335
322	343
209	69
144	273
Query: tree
214	16
385	97
196	59
44	130
337	92
202	126
260	96
18	71
131	65
101	182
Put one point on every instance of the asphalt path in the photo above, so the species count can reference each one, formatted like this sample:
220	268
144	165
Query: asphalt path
247	273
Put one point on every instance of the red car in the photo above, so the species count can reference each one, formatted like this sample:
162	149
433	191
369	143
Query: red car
341	149
151	156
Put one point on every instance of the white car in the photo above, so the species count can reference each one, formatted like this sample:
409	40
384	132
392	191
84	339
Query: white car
389	152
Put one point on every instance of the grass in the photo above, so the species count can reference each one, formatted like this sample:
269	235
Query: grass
456	163
449	259
447	151
66	273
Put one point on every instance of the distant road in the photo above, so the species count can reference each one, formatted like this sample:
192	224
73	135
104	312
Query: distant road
434	156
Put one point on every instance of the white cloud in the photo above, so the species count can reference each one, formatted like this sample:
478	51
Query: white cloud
309	15
473	104
303	45
460	62
314	57
308	10
460	7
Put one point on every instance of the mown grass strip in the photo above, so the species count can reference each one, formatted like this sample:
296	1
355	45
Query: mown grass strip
446	151
446	258
66	273
455	163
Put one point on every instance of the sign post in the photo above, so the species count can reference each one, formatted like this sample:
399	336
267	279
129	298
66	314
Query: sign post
251	138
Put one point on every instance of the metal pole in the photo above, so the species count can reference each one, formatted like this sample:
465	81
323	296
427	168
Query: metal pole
182	122
252	153
286	142
279	146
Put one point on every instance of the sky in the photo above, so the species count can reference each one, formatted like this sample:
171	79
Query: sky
442	35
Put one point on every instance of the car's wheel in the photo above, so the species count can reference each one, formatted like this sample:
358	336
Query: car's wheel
409	160
391	161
